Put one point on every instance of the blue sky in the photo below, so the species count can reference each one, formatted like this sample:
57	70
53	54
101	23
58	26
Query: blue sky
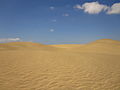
59	21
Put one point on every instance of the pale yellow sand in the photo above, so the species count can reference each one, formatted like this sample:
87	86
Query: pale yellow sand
31	66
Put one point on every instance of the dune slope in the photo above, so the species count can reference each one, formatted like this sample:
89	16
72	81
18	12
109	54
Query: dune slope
31	66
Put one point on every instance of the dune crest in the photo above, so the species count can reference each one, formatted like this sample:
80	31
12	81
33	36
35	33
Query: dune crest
24	45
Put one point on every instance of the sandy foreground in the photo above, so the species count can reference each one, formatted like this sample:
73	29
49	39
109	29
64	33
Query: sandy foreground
32	66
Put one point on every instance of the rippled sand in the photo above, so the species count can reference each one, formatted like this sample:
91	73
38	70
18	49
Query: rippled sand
31	66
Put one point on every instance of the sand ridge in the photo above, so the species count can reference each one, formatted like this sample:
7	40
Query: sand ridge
33	66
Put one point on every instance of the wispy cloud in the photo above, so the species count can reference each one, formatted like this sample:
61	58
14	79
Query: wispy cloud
52	30
66	14
3	40
54	20
96	8
52	8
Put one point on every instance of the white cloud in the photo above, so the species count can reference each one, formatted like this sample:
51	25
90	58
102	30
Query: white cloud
66	14
92	7
96	8
3	40
115	9
77	6
52	30
54	20
52	8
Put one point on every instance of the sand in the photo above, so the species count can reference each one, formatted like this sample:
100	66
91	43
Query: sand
33	66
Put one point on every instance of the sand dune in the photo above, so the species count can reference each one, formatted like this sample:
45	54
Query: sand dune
33	66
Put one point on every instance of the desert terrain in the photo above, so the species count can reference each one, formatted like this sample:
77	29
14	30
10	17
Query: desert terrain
33	66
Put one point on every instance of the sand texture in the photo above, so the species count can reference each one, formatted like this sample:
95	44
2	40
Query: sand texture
33	66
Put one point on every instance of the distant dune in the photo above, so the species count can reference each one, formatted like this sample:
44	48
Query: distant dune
33	66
